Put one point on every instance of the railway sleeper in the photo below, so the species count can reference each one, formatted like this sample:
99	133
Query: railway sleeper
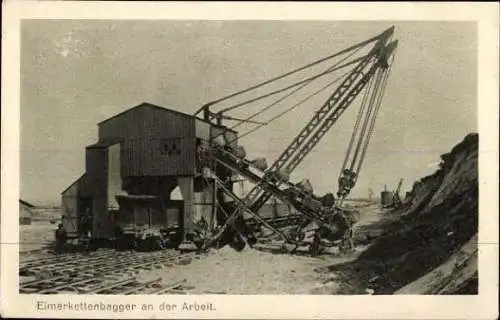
74	279
72	269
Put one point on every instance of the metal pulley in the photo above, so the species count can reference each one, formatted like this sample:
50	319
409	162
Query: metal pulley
347	180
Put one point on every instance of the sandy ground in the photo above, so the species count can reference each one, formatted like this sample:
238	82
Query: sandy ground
36	236
226	271
250	271
370	214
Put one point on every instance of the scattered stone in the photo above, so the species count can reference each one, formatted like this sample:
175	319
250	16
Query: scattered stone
184	261
327	288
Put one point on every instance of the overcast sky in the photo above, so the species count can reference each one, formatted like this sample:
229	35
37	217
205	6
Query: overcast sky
75	74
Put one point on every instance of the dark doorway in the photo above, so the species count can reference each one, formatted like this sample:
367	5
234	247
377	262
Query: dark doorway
85	216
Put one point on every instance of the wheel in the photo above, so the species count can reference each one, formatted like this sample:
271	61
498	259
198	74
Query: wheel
252	240
238	244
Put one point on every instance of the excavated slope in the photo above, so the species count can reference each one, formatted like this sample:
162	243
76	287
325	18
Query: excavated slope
432	247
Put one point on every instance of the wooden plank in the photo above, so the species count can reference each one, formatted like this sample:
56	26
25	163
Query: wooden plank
109	286
168	287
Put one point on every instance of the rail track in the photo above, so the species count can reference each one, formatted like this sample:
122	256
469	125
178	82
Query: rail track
101	272
105	271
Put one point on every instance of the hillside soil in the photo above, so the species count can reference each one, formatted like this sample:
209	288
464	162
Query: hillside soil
431	245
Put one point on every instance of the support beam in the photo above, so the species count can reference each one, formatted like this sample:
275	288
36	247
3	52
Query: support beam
186	187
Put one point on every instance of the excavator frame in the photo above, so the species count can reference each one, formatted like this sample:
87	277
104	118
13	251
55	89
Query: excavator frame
369	75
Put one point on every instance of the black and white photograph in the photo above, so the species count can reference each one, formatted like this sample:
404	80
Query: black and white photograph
222	157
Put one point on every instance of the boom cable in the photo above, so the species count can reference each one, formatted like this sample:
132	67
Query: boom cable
356	125
359	45
330	70
296	104
372	124
302	85
367	118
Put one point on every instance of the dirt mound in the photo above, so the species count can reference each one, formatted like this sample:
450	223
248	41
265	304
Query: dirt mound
439	217
457	275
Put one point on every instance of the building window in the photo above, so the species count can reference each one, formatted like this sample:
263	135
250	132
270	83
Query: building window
171	147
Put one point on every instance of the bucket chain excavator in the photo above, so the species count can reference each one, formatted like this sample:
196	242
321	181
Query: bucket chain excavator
368	77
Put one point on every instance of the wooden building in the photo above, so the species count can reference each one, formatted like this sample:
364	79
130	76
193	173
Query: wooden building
75	200
141	156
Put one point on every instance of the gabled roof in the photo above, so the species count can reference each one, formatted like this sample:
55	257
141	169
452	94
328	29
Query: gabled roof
102	144
26	203
149	105
76	181
146	105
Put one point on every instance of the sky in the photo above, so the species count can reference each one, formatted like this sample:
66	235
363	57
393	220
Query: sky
75	74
